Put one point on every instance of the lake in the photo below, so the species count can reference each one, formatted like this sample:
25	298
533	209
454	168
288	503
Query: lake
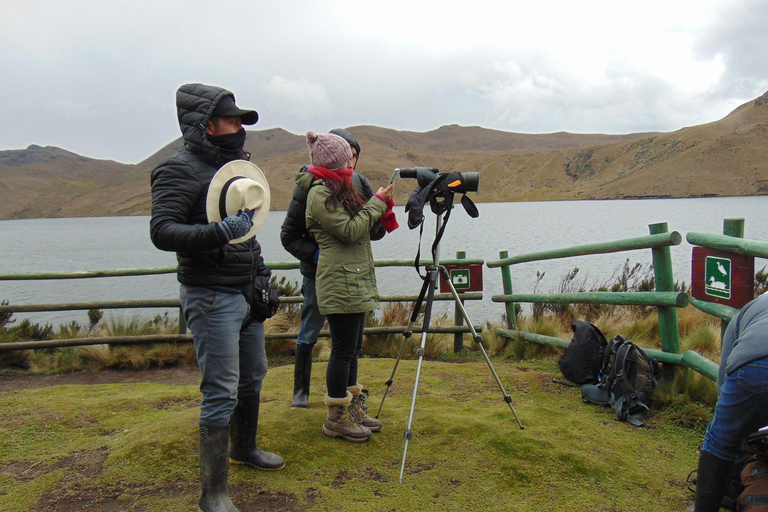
75	244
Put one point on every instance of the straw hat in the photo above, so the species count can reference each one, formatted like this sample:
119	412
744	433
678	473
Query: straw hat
238	185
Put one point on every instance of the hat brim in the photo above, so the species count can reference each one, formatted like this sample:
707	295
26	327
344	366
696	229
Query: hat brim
247	117
237	168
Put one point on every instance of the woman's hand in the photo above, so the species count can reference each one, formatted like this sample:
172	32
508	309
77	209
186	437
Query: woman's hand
386	193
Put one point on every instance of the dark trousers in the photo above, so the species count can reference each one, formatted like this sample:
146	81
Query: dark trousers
346	342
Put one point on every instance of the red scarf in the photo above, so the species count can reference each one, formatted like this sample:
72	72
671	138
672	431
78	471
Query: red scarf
325	174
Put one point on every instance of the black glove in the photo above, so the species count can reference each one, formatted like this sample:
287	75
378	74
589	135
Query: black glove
236	225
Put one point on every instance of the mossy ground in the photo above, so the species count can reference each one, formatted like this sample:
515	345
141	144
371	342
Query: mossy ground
133	447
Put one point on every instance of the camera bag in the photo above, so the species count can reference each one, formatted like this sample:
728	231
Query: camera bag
754	476
262	299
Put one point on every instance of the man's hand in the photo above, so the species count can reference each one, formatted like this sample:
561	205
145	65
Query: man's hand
236	225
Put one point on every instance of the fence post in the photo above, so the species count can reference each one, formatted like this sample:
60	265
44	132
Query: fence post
506	280
662	271
182	322
458	318
731	227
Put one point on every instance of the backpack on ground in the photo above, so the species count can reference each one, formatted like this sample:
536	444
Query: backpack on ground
626	381
583	358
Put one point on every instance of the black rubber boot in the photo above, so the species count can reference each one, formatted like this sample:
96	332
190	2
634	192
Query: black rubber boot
711	480
301	376
245	424
214	468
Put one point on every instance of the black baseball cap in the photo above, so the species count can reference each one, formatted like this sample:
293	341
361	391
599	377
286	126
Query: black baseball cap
227	108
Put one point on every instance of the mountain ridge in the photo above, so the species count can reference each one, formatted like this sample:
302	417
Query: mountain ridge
720	158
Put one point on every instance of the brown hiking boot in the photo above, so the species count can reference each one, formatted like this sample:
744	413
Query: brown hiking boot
341	422
360	410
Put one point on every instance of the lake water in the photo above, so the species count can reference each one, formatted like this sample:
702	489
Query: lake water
38	245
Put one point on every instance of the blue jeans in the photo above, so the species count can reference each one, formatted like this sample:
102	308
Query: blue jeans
311	319
231	358
742	408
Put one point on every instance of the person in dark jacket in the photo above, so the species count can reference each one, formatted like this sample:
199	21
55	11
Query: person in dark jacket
742	403
296	240
213	274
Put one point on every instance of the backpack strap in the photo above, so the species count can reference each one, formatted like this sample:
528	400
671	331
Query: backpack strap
628	406
606	368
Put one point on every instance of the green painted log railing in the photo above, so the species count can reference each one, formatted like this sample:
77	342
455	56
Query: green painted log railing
273	265
665	299
458	330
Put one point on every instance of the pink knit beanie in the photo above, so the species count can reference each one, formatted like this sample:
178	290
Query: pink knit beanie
328	150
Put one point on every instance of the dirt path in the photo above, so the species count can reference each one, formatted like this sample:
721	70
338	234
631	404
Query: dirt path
18	380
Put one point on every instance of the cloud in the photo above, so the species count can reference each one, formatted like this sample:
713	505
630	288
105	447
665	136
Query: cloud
737	35
298	99
103	76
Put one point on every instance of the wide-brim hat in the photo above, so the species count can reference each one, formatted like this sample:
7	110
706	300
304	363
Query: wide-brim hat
236	186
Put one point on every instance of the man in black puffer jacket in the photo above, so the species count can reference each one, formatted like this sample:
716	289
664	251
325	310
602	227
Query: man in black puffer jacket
296	240
213	274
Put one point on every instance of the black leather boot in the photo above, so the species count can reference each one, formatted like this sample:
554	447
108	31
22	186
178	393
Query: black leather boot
711	480
245	424
301	376
214	468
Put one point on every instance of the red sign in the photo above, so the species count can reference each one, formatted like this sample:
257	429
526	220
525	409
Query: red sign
465	278
722	277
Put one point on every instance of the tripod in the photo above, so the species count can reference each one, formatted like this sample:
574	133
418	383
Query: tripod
428	290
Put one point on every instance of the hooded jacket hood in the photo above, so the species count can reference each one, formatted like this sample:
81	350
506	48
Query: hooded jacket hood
195	104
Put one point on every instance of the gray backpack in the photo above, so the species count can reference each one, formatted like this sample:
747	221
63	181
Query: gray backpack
626	381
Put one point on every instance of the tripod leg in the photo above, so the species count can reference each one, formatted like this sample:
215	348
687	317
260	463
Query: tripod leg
392	375
479	340
432	279
406	337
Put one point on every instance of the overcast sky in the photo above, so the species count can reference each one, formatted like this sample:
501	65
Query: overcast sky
99	77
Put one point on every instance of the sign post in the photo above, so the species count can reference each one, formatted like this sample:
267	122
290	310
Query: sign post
465	278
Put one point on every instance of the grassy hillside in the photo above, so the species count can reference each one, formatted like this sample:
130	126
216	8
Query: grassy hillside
723	158
133	447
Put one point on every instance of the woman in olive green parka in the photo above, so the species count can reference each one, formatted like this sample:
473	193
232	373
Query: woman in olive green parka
341	221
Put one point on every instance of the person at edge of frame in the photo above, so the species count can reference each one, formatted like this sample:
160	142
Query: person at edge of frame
742	402
212	273
340	220
296	239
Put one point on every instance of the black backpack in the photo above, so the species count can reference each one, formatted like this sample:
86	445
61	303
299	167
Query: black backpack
626	381
583	358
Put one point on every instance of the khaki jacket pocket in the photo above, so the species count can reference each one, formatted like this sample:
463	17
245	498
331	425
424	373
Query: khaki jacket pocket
357	279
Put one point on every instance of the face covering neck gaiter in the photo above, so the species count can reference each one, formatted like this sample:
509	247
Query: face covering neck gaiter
230	145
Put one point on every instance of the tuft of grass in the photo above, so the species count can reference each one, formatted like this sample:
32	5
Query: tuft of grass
689	400
493	343
282	322
387	345
68	360
547	325
704	339
128	357
172	354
